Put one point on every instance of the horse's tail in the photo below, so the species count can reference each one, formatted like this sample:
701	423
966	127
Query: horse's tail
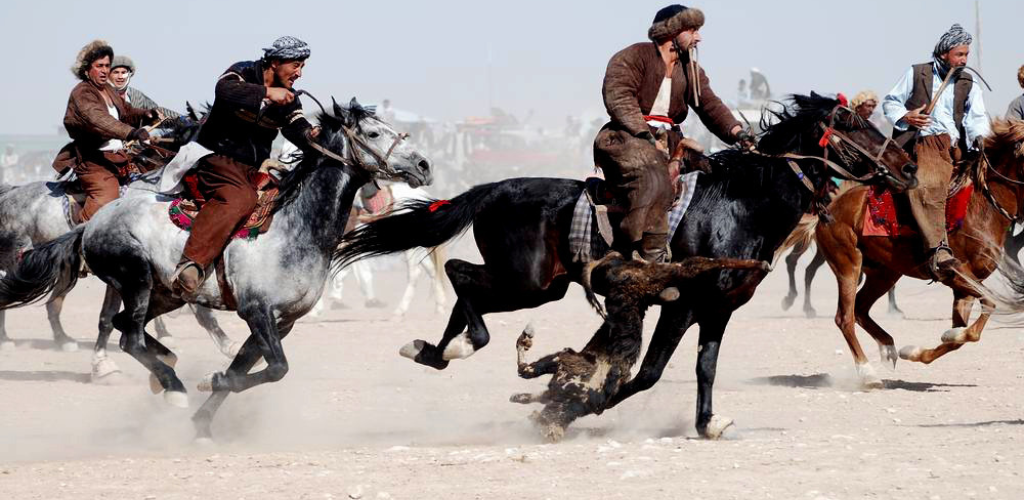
52	267
414	224
801	237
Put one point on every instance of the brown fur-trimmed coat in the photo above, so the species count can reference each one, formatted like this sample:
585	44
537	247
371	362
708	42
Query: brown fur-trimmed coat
631	85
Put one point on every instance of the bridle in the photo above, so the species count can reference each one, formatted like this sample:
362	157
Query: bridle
982	181
380	161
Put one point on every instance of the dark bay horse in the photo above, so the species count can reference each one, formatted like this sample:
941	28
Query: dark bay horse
745	208
998	191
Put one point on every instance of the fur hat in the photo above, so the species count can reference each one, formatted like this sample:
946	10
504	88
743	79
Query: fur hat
92	51
673	20
122	62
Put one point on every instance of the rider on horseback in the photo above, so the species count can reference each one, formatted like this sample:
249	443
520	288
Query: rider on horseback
98	121
122	69
935	139
648	88
240	133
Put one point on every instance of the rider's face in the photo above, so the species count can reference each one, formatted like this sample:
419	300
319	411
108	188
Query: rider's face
119	77
866	109
689	39
957	56
286	72
99	70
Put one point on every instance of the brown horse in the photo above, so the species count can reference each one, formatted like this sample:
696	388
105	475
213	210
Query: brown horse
998	179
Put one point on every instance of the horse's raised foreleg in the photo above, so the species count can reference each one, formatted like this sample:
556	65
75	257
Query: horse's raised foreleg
876	285
102	366
955	337
809	273
136	292
262	326
60	337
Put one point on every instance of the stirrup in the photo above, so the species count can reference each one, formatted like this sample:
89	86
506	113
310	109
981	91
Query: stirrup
182	266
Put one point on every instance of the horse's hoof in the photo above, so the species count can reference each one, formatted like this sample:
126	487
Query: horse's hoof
787	302
868	379
956	335
170	359
810	312
154	384
177	399
412	349
717	426
69	346
203	442
888	353
102	369
206	384
553	433
7	345
910	353
459	348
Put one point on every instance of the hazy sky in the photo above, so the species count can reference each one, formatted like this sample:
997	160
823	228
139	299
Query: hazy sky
432	57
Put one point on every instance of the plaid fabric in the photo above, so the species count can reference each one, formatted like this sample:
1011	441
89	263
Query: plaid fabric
585	248
689	185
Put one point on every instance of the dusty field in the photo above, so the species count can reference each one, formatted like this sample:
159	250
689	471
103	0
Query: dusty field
354	420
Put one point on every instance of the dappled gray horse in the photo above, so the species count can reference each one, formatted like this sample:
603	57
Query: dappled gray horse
275	279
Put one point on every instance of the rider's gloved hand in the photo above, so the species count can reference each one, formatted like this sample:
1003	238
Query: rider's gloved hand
745	139
139	134
647	136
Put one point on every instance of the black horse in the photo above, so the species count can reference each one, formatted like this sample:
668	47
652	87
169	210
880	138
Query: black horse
745	208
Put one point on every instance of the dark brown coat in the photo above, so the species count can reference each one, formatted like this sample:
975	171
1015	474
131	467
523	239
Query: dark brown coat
631	85
90	125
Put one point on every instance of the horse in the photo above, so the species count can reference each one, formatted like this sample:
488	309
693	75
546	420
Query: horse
270	281
745	208
998	178
35	213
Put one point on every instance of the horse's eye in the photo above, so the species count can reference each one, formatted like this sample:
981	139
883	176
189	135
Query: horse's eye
373	135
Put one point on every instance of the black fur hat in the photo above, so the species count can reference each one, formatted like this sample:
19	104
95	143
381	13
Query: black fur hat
673	20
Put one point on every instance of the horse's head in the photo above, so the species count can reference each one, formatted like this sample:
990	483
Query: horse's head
356	136
826	128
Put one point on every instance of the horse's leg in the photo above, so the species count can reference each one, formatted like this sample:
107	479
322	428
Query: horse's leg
876	285
261	323
136	295
955	337
60	337
809	273
248	355
847	274
103	366
364	276
709	425
433	273
413	272
206	319
1013	245
791	261
480	293
894	309
6	344
672	325
161	332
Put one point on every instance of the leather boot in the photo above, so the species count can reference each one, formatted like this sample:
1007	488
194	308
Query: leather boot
188	277
944	264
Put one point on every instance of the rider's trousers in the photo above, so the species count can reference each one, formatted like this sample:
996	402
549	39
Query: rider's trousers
97	172
230	199
934	158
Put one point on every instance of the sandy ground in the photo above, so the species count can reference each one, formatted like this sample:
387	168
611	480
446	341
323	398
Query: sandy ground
354	420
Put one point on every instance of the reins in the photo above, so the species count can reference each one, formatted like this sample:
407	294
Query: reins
980	178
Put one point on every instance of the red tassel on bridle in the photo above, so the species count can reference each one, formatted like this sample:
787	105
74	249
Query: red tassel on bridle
437	205
842	100
825	137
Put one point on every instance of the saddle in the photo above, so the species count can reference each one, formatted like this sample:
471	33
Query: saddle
137	163
185	209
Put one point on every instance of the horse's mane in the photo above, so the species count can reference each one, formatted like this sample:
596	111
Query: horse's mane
309	161
802	113
1006	134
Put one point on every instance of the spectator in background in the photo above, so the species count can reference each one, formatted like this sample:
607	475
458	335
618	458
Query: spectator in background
8	161
1016	109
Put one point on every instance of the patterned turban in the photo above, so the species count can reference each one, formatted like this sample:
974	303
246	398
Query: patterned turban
955	37
287	47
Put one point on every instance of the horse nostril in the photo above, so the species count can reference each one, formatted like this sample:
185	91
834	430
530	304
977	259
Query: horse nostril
909	169
424	165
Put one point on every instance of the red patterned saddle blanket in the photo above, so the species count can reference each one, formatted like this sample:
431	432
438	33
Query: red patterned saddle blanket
184	210
886	216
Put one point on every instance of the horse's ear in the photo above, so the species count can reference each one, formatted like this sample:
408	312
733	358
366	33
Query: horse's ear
191	111
337	108
354	104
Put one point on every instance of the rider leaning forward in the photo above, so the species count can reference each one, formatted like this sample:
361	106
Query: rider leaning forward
98	121
650	86
240	136
957	123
